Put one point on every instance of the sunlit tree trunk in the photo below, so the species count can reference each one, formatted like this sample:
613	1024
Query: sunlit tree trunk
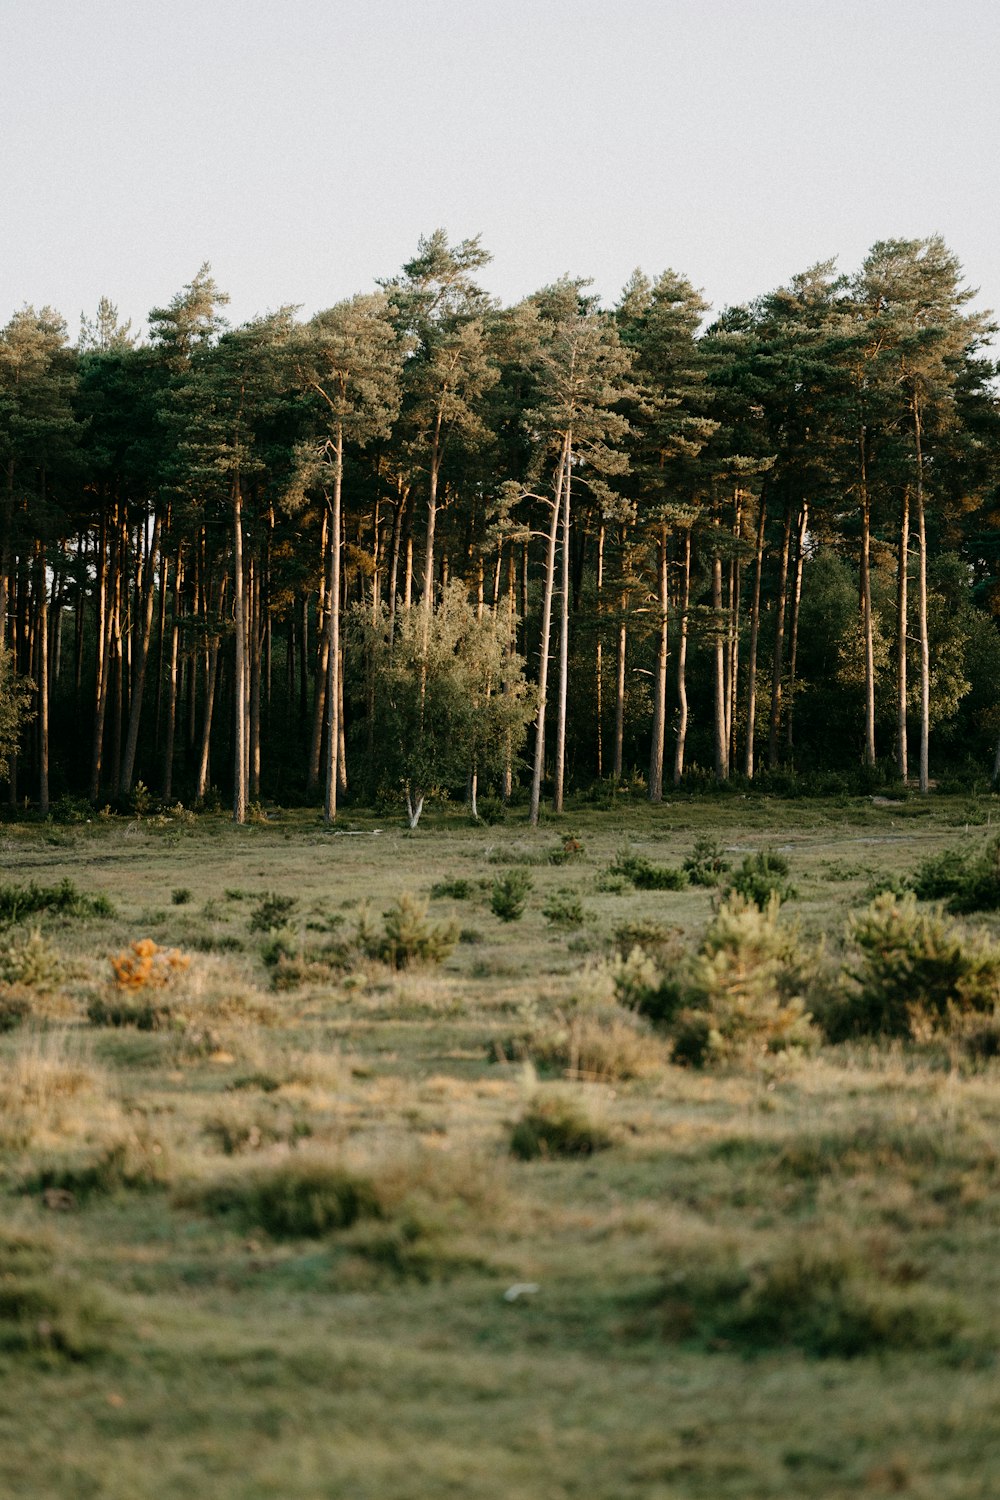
777	662
659	736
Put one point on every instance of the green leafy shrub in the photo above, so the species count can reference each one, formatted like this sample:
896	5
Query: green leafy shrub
916	971
452	890
491	810
822	1298
181	895
965	882
749	978
20	901
739	994
272	911
564	910
646	876
124	1010
33	963
509	895
761	877
300	1199
706	864
407	937
556	1126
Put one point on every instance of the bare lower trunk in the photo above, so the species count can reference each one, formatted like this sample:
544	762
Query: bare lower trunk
333	724
719	675
866	606
599	652
902	757
793	642
680	743
777	662
543	662
239	666
560	756
141	659
620	660
754	634
43	685
658	744
925	656
414	806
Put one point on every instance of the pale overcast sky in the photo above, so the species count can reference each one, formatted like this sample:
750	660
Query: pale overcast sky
303	147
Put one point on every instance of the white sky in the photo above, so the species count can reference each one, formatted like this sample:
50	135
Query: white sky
302	146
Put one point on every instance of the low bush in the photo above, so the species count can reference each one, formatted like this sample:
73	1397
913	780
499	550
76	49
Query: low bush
762	877
646	876
181	896
119	1011
741	993
564	910
509	895
706	864
271	912
965	882
300	1199
452	890
133	1161
32	963
20	901
556	1126
811	1295
145	965
407	937
915	972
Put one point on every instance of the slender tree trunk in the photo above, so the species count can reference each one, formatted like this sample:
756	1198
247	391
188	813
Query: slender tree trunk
620	662
599	651
719	675
564	602
322	657
140	660
748	764
777	662
793	634
543	660
925	657
239	664
680	744
171	725
205	754
659	739
333	725
253	666
43	682
902	623
432	506
866	605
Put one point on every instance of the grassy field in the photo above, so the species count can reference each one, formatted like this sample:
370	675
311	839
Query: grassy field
272	1240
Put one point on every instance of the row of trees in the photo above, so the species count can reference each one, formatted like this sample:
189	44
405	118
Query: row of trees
372	547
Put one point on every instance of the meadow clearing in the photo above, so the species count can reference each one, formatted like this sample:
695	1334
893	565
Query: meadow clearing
263	1232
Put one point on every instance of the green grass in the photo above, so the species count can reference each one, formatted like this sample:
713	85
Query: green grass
264	1251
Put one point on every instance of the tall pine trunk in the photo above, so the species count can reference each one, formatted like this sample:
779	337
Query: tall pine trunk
560	756
546	631
902	624
680	742
777	661
659	735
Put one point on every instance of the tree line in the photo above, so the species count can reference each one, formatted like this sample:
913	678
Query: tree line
423	542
